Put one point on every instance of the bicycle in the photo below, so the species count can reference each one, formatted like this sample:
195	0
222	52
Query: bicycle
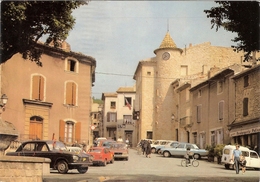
194	162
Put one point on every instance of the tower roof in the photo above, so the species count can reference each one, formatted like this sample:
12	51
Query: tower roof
167	43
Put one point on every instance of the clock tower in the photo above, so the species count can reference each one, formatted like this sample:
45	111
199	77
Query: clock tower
168	61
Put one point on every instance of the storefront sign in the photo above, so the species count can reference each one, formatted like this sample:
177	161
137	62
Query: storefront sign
245	131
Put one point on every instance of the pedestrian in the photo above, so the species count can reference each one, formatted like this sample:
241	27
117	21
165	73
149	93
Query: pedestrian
148	149
243	164
75	144
236	158
120	139
127	142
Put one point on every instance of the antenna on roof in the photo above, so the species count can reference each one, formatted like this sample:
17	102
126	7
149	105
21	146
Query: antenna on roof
168	25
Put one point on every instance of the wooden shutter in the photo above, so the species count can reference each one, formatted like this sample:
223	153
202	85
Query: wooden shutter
62	130
69	93
78	131
221	110
199	113
73	96
35	88
245	107
108	117
41	89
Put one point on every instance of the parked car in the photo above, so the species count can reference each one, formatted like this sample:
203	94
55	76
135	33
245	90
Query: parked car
120	150
168	144
106	143
76	150
156	143
61	159
101	155
181	148
252	158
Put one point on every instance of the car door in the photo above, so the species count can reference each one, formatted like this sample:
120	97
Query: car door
254	160
178	150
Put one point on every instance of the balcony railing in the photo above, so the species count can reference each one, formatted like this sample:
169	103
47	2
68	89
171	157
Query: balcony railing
185	121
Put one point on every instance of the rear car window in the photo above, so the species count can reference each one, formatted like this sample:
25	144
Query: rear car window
226	151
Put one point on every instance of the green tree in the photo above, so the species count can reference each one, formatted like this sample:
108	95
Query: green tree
241	17
23	23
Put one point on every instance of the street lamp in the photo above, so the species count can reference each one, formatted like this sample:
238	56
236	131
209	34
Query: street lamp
4	99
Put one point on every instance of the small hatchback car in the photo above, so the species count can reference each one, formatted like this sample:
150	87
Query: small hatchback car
61	159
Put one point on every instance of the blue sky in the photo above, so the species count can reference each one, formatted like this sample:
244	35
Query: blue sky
119	34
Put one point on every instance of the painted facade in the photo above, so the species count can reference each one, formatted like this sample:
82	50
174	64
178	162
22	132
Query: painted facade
52	101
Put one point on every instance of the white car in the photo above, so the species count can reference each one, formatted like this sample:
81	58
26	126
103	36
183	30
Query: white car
76	150
252	158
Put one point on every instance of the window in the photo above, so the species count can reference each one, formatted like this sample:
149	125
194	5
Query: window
38	87
198	113
195	137
111	117
71	65
245	107
149	135
112	105
246	81
69	128
221	110
213	138
253	155
220	86
71	88
128	100
148	73
199	93
127	119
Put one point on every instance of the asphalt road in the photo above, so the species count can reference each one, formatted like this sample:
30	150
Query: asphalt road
157	168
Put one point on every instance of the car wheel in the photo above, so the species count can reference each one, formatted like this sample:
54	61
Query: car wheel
153	150
82	170
196	156
159	151
166	154
112	160
62	167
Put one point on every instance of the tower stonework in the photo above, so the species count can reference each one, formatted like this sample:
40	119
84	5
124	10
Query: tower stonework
168	58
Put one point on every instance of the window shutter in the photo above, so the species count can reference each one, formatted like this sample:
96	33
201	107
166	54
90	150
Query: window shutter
108	117
199	113
245	107
41	94
62	130
35	88
68	93
78	131
221	110
73	94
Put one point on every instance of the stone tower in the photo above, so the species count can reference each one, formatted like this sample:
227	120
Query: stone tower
168	60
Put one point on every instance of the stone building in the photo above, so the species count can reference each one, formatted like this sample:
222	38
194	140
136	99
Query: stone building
212	107
118	115
156	76
52	101
245	128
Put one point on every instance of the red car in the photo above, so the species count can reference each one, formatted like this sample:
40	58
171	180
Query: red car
101	156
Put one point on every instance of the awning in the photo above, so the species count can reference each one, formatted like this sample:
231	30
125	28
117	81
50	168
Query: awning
245	130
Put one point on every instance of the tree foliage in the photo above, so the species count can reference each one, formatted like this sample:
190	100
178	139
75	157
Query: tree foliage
23	23
241	17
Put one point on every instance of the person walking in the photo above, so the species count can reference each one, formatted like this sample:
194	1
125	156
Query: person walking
236	158
148	150
243	164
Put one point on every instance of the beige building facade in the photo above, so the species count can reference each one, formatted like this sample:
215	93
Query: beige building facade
118	115
52	101
158	77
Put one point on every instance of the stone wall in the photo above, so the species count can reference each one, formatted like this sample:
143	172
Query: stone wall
23	169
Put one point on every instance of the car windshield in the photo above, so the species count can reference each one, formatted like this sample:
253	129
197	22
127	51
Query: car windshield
95	150
56	145
119	145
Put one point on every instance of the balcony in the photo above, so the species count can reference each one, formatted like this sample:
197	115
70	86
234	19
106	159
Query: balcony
185	121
